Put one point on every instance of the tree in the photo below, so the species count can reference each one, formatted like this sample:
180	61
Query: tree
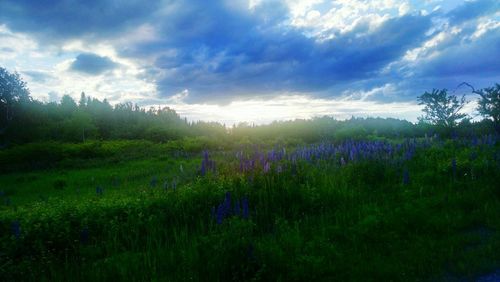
12	90
442	109
83	101
488	103
80	126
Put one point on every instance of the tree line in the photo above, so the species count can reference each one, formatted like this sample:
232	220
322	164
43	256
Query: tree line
445	110
24	119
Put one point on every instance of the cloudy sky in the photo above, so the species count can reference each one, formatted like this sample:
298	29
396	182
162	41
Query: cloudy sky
253	60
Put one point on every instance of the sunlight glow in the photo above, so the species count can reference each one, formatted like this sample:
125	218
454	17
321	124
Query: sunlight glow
290	107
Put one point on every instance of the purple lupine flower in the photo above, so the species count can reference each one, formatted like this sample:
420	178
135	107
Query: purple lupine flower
16	229
454	166
408	154
203	169
207	165
245	212
267	167
219	214
204	163
205	156
351	155
406	177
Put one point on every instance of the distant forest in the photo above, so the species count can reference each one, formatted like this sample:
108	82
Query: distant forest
24	120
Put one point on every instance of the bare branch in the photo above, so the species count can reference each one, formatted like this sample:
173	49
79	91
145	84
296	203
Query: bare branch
479	92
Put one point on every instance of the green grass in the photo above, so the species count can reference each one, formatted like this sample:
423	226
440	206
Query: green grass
316	222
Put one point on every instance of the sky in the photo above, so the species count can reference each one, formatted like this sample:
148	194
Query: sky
253	60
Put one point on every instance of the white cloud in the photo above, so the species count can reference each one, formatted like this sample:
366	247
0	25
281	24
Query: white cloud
484	26
429	48
344	15
319	18
404	8
358	95
18	52
300	8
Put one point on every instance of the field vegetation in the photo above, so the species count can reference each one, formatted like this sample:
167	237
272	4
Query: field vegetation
91	192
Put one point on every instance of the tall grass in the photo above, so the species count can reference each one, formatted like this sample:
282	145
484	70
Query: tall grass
351	211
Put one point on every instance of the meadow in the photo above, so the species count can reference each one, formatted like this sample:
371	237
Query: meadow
352	209
283	140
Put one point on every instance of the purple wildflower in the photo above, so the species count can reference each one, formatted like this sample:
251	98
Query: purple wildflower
207	165
227	203
203	169
267	167
219	214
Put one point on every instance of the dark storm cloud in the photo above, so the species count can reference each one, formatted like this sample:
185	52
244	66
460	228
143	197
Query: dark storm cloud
473	9
472	57
221	51
92	64
38	76
60	19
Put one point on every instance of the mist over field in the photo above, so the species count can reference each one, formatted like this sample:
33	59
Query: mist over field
249	140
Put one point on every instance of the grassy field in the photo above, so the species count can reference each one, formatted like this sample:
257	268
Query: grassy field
365	210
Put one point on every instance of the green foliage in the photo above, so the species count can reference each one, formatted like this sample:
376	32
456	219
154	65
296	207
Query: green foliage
316	222
127	200
93	119
442	109
489	104
13	90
